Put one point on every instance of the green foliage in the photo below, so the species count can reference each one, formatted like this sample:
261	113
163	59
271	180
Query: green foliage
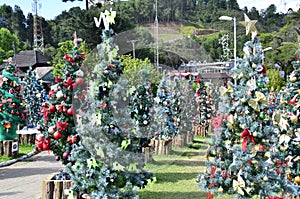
132	67
276	81
64	47
7	39
34	95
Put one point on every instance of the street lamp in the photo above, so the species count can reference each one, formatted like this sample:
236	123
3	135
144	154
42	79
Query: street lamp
226	18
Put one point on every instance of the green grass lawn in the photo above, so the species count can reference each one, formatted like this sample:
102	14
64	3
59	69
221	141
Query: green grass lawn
176	173
23	150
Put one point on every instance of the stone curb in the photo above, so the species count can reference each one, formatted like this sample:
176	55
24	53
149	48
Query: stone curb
10	162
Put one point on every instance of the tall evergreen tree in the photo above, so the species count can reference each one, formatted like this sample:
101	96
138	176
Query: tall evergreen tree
247	170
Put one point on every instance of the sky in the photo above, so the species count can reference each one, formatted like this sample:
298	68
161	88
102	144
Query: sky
49	9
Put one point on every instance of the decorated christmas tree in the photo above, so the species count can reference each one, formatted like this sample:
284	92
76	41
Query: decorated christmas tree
141	101
205	102
176	101
58	125
34	97
164	126
248	169
12	106
288	122
107	162
189	106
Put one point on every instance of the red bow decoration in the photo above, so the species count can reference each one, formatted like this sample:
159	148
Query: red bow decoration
61	126
59	108
247	136
45	112
212	171
274	197
57	79
103	105
68	82
198	80
209	195
72	139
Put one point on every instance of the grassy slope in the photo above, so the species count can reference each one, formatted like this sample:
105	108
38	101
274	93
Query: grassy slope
176	173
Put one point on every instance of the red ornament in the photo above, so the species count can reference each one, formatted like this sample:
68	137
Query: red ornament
79	81
57	158
52	108
46	144
70	111
57	135
66	155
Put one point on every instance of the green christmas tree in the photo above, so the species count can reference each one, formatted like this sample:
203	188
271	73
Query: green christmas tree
163	126
288	122
141	102
34	97
247	170
107	163
176	106
189	107
204	101
12	107
59	125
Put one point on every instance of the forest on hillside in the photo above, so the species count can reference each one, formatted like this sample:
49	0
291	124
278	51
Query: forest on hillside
276	29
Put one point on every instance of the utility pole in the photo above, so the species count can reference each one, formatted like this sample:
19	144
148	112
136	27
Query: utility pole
156	33
133	46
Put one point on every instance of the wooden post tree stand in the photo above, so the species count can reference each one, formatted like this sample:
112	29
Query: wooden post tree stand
189	137
9	147
161	147
8	144
148	154
180	140
56	189
27	136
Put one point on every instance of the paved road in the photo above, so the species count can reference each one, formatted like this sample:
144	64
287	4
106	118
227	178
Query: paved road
23	180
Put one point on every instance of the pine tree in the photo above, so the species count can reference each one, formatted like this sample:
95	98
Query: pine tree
107	163
34	96
249	169
12	107
288	122
59	124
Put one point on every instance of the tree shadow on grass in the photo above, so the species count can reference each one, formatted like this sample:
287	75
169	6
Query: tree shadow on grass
171	195
179	162
175	177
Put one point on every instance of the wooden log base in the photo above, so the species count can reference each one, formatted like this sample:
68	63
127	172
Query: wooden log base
148	154
180	140
27	139
9	147
56	189
162	147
